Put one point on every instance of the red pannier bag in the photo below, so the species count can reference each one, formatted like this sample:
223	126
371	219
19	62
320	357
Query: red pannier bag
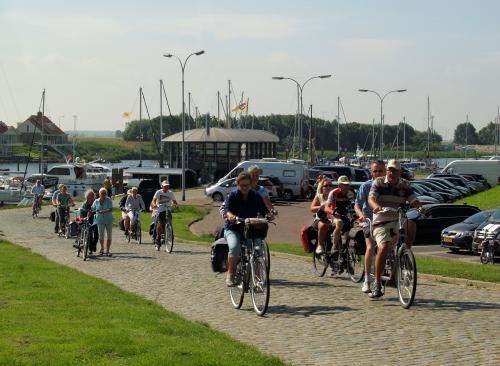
308	238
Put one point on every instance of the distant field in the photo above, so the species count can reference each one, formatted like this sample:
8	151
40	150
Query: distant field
114	149
486	200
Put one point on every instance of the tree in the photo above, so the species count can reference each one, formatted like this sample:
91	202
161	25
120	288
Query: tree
487	134
118	134
464	129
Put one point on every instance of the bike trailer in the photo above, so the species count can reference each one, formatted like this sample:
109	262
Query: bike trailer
218	256
357	240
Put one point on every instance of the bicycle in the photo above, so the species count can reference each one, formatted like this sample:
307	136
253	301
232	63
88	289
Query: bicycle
252	272
37	205
63	221
488	249
400	269
167	234
135	231
82	240
345	260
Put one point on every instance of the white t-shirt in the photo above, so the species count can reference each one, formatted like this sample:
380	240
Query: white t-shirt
164	200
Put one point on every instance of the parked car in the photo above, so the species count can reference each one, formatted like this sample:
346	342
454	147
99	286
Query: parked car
431	187
421	191
459	236
437	217
464	191
488	230
478	178
362	175
339	169
460	181
278	184
219	191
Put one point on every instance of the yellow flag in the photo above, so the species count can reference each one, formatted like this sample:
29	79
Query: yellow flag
127	115
242	107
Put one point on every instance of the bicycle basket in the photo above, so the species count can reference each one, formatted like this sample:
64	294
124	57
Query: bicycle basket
256	228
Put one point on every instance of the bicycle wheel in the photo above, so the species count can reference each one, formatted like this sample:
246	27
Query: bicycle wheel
355	265
169	237
138	233
259	285
237	293
320	263
86	241
406	276
266	254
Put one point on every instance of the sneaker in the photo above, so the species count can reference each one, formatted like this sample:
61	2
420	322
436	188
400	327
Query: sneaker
231	281
366	287
376	292
319	249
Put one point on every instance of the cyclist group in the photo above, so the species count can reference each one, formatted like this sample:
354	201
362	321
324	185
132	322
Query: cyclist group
386	190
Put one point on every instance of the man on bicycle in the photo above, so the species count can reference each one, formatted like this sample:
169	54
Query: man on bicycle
37	191
364	211
389	191
133	205
63	200
163	200
338	200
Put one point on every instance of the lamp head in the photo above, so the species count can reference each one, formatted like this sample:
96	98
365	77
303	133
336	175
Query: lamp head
324	76
199	53
363	90
167	55
401	90
278	77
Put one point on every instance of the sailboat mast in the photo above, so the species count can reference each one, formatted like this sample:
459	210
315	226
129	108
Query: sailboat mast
404	138
140	127
41	132
466	128
338	126
74	135
428	125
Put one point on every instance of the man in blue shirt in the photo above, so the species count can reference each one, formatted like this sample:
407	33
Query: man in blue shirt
364	211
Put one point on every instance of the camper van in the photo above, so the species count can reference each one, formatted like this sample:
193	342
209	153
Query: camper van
293	174
490	169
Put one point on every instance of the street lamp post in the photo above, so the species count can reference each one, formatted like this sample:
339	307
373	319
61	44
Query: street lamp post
183	163
382	114
300	89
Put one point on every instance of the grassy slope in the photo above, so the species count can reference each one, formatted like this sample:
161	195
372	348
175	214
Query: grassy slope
113	149
52	314
484	200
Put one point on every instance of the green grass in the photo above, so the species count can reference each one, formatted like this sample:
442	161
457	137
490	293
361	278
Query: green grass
451	268
484	200
182	217
114	149
55	315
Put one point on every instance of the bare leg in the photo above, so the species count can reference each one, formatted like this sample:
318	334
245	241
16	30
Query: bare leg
102	245
322	232
108	245
368	257
339	224
380	260
127	223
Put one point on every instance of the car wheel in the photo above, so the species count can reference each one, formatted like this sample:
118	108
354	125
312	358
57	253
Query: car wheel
217	197
288	195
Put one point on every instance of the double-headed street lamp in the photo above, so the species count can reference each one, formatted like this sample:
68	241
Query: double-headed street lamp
300	105
382	114
183	68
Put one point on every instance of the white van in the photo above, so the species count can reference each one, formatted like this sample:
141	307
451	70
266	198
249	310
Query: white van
293	174
490	169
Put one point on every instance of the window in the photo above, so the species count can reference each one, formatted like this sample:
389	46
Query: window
59	171
289	173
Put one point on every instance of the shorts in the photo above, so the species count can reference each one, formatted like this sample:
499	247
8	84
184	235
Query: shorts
233	239
387	232
317	220
124	215
105	228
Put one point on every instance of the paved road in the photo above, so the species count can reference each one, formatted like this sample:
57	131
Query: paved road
311	321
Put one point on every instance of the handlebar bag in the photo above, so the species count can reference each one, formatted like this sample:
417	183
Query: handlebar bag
256	228
218	255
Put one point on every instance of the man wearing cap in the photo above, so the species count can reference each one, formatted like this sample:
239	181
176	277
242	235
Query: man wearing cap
365	212
337	203
133	205
54	203
163	200
389	191
37	191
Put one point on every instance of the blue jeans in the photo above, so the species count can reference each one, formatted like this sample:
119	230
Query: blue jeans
233	239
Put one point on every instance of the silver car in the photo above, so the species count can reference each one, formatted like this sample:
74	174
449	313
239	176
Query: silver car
219	191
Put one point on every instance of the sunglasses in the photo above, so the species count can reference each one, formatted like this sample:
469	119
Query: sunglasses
328	185
244	185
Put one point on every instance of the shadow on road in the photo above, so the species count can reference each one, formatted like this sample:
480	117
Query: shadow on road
301	284
307	311
455	305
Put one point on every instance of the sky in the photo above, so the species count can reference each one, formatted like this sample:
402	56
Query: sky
92	56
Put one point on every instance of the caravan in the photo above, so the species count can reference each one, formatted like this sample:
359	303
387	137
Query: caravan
490	169
293	174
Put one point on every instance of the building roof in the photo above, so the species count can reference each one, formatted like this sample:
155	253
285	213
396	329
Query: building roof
223	135
49	127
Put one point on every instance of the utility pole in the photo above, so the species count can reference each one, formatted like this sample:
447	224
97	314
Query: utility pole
189	110
140	127
404	138
41	132
218	107
311	157
161	123
338	126
229	102
428	125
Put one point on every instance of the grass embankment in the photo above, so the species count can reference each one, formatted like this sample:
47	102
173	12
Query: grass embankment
486	200
55	315
182	217
114	149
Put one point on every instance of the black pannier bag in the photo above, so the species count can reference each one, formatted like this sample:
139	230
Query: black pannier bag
357	240
53	216
73	228
256	228
218	256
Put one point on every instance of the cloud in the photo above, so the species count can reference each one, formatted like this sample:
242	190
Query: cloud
371	45
229	27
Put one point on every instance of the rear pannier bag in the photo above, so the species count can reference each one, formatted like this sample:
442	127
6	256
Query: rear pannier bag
308	238
357	240
218	255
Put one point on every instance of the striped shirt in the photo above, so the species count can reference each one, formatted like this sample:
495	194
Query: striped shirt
390	195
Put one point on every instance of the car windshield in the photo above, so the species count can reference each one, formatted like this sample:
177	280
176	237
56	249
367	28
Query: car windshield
478	218
496	216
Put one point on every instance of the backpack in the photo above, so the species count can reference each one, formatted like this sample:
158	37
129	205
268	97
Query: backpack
218	255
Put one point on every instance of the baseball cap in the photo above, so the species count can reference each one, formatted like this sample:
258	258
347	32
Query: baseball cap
394	164
165	183
343	179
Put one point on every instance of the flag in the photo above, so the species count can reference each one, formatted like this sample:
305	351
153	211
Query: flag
242	107
127	115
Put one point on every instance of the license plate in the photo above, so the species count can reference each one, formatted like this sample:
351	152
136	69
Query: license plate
447	240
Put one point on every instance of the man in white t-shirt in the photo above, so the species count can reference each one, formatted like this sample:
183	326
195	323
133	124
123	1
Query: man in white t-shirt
163	200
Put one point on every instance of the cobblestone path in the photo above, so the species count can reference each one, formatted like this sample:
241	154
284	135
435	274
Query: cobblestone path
311	321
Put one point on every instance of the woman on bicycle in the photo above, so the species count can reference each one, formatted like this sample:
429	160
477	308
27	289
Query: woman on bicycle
241	203
319	207
133	205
